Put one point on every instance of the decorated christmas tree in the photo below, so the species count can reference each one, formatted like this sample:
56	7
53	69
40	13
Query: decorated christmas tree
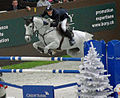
93	83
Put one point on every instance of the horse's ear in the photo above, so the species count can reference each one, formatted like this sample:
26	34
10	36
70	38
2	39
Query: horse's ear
32	18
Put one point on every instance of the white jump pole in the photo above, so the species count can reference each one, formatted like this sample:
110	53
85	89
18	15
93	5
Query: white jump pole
38	71
24	58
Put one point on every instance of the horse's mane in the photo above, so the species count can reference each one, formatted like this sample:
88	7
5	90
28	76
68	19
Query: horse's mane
38	21
38	18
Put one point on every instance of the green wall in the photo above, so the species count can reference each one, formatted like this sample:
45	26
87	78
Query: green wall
90	19
96	18
12	33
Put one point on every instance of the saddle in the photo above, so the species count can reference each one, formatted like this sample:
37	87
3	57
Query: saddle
62	33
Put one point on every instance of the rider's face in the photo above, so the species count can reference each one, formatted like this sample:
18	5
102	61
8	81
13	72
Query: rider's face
49	12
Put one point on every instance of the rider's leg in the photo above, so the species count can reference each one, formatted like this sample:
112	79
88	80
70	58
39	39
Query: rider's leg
69	35
63	25
67	32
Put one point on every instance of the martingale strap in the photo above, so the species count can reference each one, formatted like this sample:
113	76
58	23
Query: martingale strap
43	36
59	48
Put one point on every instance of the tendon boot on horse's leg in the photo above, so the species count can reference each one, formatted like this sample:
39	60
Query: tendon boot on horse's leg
50	52
39	46
69	35
41	50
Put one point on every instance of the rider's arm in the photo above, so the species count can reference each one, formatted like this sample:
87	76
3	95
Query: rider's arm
43	14
55	23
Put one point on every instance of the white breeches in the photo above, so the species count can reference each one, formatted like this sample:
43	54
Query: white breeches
63	25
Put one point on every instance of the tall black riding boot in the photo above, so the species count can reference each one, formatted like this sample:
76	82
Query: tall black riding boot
69	35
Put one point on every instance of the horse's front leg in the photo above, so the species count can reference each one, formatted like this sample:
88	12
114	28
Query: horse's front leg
39	46
53	45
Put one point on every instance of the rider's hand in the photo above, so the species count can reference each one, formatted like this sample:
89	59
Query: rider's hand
45	23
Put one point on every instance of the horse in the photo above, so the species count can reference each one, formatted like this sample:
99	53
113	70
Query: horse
50	39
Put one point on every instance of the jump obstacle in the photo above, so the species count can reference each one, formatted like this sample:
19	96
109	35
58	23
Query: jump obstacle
49	89
113	54
41	88
99	45
38	91
38	71
24	58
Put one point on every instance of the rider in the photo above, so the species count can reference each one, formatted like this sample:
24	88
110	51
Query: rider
59	16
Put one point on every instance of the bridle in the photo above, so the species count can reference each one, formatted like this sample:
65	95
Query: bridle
36	30
33	26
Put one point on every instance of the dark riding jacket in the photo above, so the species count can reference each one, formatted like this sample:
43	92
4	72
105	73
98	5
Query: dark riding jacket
58	15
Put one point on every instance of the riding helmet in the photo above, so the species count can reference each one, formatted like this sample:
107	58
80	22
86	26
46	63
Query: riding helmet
49	8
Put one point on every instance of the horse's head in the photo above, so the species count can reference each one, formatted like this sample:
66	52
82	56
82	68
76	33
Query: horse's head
34	24
29	27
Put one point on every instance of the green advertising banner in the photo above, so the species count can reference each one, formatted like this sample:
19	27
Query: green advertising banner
95	18
90	19
12	33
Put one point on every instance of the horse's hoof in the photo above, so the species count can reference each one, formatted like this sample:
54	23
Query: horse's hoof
50	52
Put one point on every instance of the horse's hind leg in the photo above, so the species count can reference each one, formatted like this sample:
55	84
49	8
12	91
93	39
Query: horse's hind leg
76	52
39	46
